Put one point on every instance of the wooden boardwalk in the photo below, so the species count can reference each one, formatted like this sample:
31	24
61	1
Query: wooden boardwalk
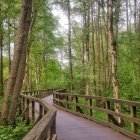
71	127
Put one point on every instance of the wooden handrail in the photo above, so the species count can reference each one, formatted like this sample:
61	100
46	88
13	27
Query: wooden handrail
85	106
38	93
44	121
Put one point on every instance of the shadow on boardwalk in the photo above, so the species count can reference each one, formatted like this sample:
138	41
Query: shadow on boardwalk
71	127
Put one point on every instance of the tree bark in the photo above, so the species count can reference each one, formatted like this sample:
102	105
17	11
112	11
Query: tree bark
93	49
127	17
9	47
113	47
135	15
87	24
98	48
69	47
1	54
112	43
18	86
21	40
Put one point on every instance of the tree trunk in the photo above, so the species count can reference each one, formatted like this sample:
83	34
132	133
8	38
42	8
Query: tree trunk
127	17
113	45
28	75
1	55
21	40
98	49
9	47
37	76
21	73
135	15
69	47
93	49
18	86
83	60
87	24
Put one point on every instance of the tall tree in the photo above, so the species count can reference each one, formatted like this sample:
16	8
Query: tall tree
1	50
135	15
113	50
93	47
21	40
9	45
69	47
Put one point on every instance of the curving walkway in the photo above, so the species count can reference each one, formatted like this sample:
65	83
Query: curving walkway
71	127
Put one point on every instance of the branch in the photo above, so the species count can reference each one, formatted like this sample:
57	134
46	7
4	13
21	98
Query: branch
11	25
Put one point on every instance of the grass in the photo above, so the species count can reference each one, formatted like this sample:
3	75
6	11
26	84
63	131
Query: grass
99	115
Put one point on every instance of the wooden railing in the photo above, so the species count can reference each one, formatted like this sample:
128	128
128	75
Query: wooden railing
91	106
40	114
39	93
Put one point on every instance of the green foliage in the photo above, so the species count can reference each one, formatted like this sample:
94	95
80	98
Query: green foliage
16	133
52	76
99	115
47	42
128	66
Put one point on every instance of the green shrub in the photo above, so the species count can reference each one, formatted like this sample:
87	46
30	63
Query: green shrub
14	133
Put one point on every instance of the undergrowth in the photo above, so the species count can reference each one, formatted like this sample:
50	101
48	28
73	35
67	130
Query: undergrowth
14	133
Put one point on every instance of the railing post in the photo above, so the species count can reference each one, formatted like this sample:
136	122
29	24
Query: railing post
37	94
76	104
53	128
33	111
107	108
58	100
53	98
40	111
90	104
133	114
24	107
67	99
44	93
56	96
27	111
45	111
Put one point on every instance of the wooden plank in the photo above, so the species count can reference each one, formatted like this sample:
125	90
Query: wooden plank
126	102
119	129
108	108
53	128
46	112
90	110
40	111
135	120
33	111
27	111
133	124
76	98
67	99
54	137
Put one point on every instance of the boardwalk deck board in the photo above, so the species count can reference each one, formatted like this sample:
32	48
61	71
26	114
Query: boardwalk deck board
71	127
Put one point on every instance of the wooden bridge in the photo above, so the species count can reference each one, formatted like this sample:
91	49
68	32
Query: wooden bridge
75	117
